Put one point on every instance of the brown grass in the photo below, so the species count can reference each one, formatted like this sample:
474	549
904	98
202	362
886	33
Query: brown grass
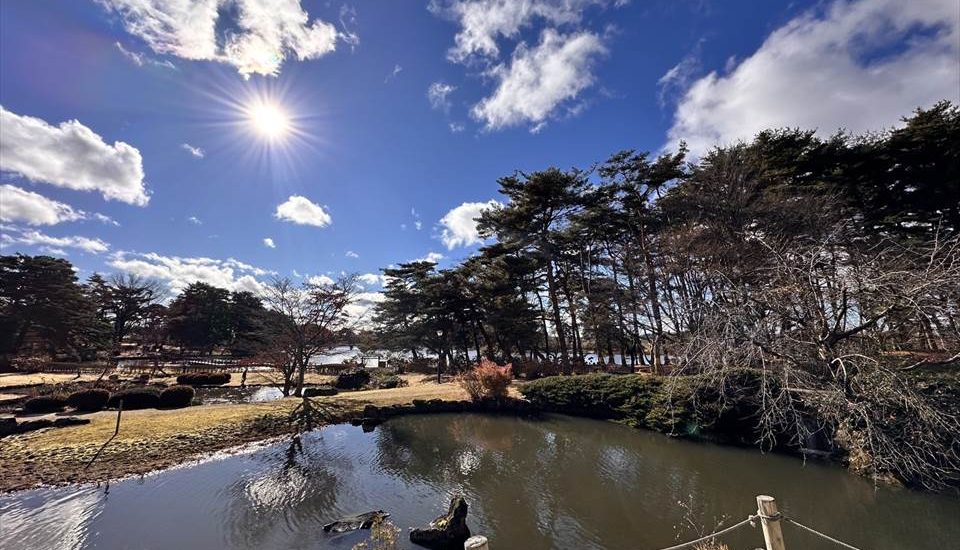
151	439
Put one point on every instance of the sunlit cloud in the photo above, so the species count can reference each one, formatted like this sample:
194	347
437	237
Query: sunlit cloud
459	225
268	242
71	155
264	33
194	151
301	211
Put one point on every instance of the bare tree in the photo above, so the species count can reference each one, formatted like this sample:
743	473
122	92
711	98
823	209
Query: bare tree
308	318
822	331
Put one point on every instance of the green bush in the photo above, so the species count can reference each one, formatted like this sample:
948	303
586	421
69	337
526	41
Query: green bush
90	400
598	395
44	404
352	379
204	378
136	398
176	397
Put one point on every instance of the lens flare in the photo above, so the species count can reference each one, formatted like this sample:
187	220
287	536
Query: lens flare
268	120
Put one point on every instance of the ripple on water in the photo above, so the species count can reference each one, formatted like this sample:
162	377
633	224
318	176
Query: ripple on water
559	483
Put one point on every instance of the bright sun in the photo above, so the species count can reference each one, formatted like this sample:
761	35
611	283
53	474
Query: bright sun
268	120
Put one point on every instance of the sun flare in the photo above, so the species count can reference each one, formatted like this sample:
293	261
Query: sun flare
269	120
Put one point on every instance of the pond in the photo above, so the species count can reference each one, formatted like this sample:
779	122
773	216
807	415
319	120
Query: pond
558	482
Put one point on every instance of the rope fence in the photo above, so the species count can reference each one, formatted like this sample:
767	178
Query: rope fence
770	521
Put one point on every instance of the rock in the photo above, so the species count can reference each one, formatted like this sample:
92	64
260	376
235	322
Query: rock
65	421
368	424
359	521
319	391
448	531
371	411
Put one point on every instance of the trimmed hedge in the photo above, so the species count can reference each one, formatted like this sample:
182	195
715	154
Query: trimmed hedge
138	398
91	400
204	378
390	382
176	397
352	379
44	404
319	391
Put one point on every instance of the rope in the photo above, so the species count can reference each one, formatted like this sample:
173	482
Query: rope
822	535
712	535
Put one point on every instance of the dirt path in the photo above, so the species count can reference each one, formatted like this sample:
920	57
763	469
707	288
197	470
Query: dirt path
152	439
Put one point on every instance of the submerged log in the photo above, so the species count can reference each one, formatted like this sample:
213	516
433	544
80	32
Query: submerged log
448	531
359	521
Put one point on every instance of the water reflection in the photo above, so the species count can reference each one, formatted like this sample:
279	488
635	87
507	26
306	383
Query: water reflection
554	483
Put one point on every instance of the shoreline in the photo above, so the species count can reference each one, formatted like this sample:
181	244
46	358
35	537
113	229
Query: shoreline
151	439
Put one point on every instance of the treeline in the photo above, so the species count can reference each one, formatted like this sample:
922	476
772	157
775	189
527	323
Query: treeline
826	264
634	256
47	314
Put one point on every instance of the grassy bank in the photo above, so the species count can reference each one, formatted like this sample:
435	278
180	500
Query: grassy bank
152	439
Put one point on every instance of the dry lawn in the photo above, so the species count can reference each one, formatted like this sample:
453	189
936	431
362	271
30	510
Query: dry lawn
151	439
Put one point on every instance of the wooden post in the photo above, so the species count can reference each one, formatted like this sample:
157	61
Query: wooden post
770	520
119	412
477	542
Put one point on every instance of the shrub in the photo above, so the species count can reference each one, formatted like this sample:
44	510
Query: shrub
390	382
90	400
136	398
176	397
531	370
352	379
487	381
204	378
319	391
44	404
600	395
31	363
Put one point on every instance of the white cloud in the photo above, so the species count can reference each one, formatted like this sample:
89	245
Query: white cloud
539	80
370	279
262	33
320	280
195	220
456	127
482	22
433	257
179	272
360	310
195	151
36	238
268	242
437	95
300	210
105	219
460	224
72	156
393	74
351	254
853	65
20	205
140	59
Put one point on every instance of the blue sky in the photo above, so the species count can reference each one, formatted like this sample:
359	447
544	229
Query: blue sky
399	113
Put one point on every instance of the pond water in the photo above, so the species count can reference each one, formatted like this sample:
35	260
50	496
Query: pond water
557	482
215	395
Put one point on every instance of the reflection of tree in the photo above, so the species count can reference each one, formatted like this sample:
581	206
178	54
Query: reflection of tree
289	496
